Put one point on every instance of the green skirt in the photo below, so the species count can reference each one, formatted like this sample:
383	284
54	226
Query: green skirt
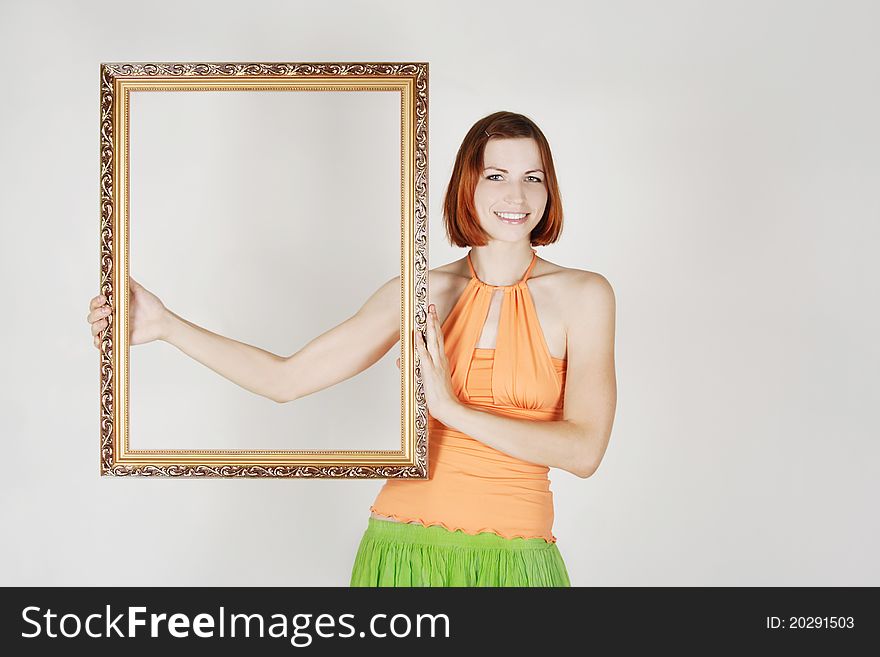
404	554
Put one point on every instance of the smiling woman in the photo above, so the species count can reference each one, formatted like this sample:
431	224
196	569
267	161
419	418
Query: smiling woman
517	367
519	377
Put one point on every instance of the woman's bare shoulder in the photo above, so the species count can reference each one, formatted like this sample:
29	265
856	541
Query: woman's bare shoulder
570	285
441	277
449	276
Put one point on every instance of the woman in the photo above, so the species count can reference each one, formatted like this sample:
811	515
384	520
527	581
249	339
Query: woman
509	395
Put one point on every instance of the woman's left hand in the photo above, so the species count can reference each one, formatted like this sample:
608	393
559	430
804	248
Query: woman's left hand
435	369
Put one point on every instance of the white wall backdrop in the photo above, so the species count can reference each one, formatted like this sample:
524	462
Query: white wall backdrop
720	165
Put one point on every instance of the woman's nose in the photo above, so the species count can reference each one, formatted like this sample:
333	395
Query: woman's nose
514	193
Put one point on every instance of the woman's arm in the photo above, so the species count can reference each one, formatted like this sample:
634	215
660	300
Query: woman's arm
576	443
334	356
346	349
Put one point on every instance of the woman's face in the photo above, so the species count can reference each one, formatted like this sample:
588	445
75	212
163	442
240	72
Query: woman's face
513	183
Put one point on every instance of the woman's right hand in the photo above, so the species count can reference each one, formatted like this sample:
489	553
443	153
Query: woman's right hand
147	315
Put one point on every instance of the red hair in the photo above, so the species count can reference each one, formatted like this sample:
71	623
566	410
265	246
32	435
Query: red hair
462	224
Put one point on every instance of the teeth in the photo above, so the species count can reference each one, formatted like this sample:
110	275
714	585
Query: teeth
512	215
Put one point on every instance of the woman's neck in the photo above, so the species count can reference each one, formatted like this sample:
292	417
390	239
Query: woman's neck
501	263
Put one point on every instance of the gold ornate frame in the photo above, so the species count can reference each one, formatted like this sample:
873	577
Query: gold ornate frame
117	81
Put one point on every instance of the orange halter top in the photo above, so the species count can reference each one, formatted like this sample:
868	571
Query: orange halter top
471	486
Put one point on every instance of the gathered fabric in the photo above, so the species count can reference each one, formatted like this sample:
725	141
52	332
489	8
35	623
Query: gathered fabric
412	555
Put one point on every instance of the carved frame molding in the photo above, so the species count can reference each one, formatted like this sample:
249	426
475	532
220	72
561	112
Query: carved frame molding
117	80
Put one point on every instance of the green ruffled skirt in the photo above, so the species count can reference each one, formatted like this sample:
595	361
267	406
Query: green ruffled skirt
404	554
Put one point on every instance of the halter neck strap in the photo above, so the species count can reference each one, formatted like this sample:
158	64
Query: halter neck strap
521	281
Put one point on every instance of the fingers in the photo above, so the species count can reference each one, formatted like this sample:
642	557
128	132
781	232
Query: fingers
431	331
435	336
438	334
96	306
98	313
99	326
98	316
421	349
431	345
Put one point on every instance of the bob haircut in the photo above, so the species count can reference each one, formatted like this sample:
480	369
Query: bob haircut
462	224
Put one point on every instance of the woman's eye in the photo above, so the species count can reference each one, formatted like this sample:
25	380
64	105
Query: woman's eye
490	176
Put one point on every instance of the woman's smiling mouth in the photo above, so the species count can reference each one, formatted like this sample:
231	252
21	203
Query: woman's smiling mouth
512	217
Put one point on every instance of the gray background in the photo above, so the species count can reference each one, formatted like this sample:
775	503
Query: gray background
719	164
249	211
